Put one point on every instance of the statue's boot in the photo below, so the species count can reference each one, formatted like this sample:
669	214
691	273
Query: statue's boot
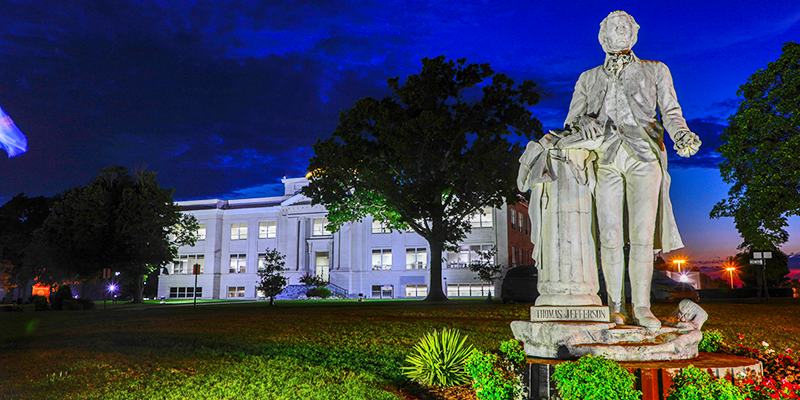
641	272
613	271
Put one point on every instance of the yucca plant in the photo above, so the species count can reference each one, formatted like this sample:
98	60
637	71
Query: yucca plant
438	359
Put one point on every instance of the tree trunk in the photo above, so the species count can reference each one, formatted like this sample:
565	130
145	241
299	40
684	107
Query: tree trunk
272	301
435	292
139	289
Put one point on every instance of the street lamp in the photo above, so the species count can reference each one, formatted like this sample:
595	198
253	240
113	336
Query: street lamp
730	270
111	289
679	262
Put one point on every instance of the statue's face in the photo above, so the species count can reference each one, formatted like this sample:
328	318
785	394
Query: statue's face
620	35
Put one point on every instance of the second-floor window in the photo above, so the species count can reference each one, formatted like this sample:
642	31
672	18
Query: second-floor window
267	229
482	219
381	259
185	263
239	231
319	227
238	264
416	258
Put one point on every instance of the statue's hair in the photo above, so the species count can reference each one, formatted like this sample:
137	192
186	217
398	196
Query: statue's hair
615	14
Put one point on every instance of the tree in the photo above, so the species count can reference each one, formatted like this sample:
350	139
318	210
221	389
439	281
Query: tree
20	217
428	157
271	281
122	221
313	280
759	153
486	268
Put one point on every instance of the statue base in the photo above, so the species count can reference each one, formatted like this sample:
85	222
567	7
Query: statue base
569	332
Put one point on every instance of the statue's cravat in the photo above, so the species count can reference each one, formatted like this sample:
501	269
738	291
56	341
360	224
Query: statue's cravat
615	63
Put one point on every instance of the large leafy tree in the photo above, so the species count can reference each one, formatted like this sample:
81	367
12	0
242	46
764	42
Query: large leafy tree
760	154
20	217
120	220
428	157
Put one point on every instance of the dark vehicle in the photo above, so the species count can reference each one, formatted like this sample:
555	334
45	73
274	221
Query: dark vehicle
663	289
519	284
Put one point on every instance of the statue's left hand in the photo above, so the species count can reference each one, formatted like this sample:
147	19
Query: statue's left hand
687	143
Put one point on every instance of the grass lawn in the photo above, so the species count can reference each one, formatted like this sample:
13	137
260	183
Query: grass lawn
295	350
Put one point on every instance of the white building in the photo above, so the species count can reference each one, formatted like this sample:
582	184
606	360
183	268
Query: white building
362	258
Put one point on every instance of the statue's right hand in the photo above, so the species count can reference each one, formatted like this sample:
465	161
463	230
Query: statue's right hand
589	128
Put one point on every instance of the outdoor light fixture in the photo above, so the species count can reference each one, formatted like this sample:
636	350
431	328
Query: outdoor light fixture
684	278
679	262
730	270
112	288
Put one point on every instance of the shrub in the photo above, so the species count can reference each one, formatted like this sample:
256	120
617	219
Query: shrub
778	365
594	378
86	304
11	309
70	305
769	389
321	292
692	383
712	341
39	303
498	377
64	292
438	359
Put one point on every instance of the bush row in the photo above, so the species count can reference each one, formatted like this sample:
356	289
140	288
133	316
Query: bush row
444	359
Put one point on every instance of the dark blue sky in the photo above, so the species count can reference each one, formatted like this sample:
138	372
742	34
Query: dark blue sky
224	98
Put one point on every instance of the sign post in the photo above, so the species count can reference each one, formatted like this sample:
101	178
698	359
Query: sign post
196	272
759	258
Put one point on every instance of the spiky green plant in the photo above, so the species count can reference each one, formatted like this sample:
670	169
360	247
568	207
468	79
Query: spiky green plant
438	359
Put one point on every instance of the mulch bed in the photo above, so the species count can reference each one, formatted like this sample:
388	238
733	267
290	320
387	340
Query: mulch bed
416	392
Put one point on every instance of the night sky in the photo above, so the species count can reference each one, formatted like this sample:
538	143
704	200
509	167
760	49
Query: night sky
224	98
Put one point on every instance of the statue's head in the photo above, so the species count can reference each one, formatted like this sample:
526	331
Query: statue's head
618	32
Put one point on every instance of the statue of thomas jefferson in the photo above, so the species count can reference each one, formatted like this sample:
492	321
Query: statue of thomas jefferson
621	100
612	149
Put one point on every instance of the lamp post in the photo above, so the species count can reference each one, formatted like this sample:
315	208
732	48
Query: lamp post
679	262
730	270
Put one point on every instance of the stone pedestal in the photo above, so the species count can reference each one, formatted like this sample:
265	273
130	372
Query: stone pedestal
652	378
571	340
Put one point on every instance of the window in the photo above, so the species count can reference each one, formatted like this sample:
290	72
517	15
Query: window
467	255
513	219
482	219
185	264
267	230
262	261
416	258
416	290
382	291
379	227
381	259
469	290
201	232
322	266
235	291
239	231
319	227
238	263
184	292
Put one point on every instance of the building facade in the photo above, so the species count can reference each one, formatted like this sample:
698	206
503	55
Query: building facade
363	258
